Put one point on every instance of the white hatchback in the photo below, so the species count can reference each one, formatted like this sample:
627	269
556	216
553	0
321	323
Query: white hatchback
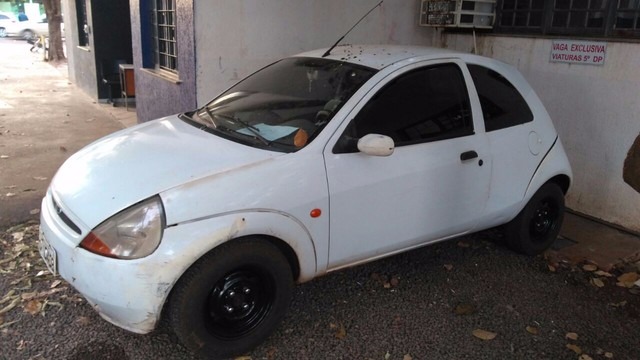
312	164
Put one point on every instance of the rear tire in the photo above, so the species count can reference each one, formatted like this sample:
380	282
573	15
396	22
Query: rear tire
537	226
28	35
231	299
3	32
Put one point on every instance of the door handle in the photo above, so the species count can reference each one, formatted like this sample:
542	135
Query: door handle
468	155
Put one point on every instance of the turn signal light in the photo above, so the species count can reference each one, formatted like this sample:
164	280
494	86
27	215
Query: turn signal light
95	245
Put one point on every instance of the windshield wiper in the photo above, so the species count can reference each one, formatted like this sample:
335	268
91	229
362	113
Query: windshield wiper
254	130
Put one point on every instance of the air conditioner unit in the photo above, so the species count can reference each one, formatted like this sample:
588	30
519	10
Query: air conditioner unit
477	14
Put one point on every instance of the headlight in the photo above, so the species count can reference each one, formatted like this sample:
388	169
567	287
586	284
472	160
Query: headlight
131	234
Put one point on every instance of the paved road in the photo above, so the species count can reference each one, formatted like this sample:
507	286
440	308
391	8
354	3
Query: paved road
433	300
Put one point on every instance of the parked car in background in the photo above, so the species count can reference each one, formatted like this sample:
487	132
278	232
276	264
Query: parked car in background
6	20
315	163
28	29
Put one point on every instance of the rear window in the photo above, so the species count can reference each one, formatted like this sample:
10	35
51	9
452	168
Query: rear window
502	104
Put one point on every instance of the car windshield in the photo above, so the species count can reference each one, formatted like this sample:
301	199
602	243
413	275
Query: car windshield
285	105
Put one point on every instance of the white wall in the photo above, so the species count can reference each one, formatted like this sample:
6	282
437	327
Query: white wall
596	110
236	37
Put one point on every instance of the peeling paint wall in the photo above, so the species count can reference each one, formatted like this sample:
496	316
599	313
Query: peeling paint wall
595	110
157	96
236	38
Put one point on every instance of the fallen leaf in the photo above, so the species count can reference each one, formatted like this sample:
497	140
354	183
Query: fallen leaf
551	268
532	330
387	285
628	279
484	335
597	282
464	309
589	267
242	358
4	156
448	267
620	304
463	244
11	305
10	194
18	236
571	336
55	283
575	348
28	296
34	212
387	356
341	332
39	178
33	307
585	357
603	273
608	355
407	357
83	320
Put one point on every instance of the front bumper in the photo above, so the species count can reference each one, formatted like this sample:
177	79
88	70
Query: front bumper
127	293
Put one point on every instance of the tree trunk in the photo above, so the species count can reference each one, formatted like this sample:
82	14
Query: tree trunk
54	17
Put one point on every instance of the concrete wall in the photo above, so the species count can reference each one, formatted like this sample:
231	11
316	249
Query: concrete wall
596	110
236	38
157	96
81	60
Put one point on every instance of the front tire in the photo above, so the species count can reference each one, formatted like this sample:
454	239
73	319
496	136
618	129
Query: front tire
231	299
537	226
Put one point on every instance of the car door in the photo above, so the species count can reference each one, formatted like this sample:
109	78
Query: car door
436	182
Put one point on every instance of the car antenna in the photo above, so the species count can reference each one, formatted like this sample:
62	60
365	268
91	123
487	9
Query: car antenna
328	52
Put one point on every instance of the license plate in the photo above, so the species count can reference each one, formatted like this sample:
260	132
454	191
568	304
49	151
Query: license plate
48	254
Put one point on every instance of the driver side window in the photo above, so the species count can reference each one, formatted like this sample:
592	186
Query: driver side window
423	105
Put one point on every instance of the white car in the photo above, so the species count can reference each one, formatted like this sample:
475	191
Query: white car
312	164
10	26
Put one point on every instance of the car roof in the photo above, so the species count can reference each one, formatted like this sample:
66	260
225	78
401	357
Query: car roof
381	56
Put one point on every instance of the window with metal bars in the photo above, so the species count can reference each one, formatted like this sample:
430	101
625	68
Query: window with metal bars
164	26
596	18
83	27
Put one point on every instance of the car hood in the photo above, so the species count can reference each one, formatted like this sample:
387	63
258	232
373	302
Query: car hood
131	165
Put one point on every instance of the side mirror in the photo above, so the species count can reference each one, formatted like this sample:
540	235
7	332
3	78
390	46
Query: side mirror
376	145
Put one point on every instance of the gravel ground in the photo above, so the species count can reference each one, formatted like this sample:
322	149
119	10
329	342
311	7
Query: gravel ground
424	304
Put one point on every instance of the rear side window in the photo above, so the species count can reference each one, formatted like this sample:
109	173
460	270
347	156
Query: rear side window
502	104
427	104
4	17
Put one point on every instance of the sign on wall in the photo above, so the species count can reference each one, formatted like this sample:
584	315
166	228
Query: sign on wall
578	52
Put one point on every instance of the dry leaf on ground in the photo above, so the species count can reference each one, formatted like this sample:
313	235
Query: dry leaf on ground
608	355
242	358
597	282
464	309
585	357
603	273
463	244
589	267
628	279
407	357
33	307
532	330
484	334
620	304
571	336
448	267
551	268
575	348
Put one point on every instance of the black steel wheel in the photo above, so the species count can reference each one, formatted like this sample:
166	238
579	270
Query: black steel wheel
537	226
231	299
